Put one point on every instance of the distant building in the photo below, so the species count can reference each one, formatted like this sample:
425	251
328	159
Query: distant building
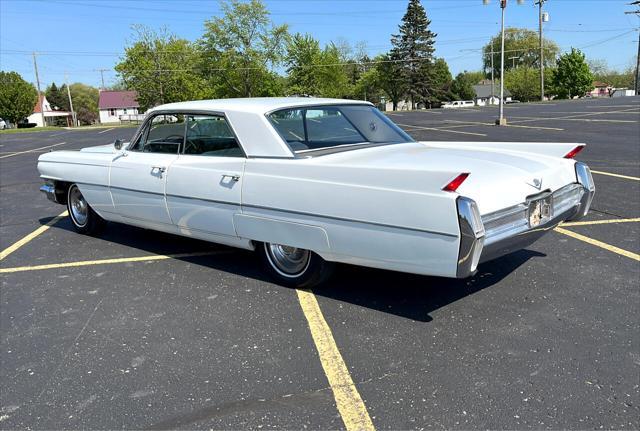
117	106
51	117
485	95
623	92
600	89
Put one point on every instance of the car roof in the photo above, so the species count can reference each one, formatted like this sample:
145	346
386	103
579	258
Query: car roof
257	105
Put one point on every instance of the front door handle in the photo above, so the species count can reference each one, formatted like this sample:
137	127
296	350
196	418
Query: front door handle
159	169
232	177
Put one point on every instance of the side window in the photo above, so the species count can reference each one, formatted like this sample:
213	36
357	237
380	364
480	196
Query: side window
163	134
209	135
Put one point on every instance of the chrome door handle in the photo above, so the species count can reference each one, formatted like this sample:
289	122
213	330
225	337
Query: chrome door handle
160	169
232	177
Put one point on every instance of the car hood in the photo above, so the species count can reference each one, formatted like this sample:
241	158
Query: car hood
108	149
498	178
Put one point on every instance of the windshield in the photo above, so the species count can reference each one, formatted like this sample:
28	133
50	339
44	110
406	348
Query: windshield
324	127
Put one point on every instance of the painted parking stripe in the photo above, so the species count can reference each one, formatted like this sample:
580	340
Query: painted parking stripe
350	405
589	223
108	130
600	244
17	153
441	130
151	258
42	229
626	177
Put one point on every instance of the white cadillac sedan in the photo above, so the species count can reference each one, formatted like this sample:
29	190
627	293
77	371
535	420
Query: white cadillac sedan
309	182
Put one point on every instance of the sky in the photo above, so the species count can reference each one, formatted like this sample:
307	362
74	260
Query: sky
79	37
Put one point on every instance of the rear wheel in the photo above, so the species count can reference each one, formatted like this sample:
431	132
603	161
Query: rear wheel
295	267
85	220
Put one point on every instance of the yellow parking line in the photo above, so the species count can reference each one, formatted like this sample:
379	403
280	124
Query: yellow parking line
626	177
600	244
105	261
350	405
589	223
42	229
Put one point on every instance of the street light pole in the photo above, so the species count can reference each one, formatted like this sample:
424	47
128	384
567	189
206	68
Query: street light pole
501	120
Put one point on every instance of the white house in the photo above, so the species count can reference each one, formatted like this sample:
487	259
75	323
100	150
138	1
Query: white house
117	106
51	116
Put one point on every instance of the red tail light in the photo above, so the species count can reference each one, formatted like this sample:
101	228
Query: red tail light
456	182
571	154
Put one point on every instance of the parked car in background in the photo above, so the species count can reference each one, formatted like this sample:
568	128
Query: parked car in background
309	182
459	104
3	124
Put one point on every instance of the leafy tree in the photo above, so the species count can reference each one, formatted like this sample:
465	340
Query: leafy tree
391	79
601	72
440	82
85	102
239	48
572	76
520	42
303	56
17	97
523	83
160	68
314	71
414	46
368	86
462	86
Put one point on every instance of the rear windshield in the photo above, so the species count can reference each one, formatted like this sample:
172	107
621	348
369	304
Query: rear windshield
325	127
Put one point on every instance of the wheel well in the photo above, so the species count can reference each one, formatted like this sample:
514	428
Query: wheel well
62	187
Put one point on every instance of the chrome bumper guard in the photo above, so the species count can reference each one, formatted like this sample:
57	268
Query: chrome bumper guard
502	232
49	189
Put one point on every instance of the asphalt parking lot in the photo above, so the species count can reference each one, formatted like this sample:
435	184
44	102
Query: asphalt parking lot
137	329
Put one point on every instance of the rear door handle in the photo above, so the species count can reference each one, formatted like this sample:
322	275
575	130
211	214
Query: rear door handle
232	177
159	169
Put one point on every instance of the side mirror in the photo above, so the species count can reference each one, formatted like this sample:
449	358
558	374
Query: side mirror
117	144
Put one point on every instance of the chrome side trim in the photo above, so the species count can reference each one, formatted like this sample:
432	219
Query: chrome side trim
471	237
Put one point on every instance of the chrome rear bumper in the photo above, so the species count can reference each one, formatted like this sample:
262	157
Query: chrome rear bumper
502	232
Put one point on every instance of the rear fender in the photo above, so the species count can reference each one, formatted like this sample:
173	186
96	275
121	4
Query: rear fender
551	149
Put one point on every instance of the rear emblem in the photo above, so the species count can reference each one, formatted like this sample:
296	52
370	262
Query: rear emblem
537	183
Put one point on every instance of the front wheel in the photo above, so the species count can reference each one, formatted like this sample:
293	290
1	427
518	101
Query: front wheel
85	220
295	267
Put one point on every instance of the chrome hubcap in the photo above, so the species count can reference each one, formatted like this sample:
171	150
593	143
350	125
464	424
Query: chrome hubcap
78	206
289	261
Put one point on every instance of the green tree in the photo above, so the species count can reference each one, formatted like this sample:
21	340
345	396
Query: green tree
572	76
462	86
523	83
522	43
391	79
85	102
314	71
17	97
414	45
440	81
368	86
601	72
240	48
160	68
57	99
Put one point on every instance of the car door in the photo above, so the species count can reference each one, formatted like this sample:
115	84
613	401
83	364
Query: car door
137	178
204	184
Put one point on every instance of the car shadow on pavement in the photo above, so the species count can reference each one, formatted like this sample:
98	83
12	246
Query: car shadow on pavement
406	295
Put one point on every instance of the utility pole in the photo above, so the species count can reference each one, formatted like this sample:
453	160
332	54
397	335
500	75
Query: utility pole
540	3
492	82
102	75
637	75
73	114
40	100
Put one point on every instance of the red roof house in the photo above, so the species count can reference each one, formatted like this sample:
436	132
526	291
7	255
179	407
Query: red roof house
117	106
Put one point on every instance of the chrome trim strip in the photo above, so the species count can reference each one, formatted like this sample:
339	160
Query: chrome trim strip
471	237
323	216
204	200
